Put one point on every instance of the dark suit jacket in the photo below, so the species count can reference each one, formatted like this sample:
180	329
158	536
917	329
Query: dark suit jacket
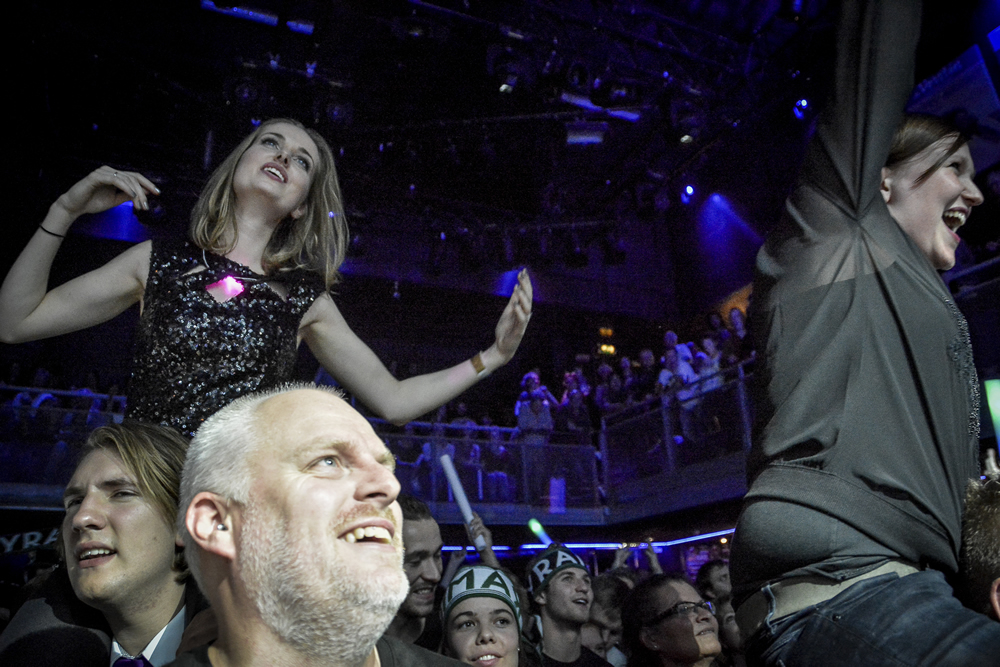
53	628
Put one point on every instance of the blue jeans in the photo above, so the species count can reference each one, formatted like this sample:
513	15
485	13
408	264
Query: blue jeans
886	620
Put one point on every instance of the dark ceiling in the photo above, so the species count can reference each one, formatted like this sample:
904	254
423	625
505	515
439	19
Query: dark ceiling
411	91
454	120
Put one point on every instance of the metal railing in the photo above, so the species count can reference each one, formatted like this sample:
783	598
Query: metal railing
660	444
495	465
677	441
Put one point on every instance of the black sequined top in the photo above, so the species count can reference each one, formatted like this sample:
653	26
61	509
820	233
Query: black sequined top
195	354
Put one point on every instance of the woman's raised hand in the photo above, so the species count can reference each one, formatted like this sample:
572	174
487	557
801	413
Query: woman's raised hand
514	320
106	188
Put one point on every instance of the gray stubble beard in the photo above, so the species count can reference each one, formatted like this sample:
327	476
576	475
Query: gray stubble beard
322	610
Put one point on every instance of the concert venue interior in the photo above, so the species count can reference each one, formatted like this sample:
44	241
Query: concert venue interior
632	154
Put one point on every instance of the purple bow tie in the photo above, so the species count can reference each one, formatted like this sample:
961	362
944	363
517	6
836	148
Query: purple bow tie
132	662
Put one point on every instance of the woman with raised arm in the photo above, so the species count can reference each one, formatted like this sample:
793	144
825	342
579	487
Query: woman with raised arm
223	313
868	409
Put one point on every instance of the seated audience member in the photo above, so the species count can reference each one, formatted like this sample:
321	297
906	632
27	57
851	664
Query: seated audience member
559	583
668	624
307	569
980	556
712	580
122	559
481	610
422	563
603	631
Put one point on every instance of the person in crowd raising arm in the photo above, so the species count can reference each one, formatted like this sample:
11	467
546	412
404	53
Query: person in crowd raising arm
868	402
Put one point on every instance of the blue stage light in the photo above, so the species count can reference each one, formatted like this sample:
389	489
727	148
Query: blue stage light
800	108
686	194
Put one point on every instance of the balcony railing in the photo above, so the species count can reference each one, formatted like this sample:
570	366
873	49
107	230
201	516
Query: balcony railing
678	451
668	453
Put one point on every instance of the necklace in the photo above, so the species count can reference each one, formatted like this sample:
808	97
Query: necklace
229	284
249	279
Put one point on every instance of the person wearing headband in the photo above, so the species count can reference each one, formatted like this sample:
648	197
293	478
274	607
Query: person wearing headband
560	589
482	618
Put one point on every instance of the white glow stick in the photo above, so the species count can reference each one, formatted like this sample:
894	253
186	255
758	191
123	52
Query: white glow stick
459	492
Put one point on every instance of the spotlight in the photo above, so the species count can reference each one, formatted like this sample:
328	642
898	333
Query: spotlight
245	91
439	250
612	92
356	247
687	119
509	84
799	111
515	71
687	194
339	113
791	10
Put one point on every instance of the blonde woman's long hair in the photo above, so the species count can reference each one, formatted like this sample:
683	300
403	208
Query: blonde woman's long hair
315	242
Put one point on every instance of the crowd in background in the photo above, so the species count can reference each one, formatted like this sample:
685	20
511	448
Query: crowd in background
601	385
480	440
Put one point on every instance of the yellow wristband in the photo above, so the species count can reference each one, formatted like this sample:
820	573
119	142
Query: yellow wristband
477	363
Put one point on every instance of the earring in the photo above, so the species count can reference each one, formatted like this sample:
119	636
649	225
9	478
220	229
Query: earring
221	526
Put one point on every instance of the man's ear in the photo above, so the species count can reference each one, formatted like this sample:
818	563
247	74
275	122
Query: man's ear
209	520
540	598
885	187
995	598
647	641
